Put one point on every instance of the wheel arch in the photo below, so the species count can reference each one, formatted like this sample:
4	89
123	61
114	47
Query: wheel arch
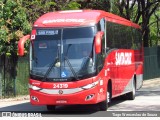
135	80
109	84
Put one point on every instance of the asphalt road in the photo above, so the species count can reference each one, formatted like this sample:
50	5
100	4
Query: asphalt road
147	99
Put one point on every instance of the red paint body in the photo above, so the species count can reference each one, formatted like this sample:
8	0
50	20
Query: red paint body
120	65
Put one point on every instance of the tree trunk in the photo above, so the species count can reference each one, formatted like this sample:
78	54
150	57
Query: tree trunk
145	23
146	37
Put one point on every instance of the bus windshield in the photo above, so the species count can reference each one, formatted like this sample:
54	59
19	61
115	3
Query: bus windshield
62	54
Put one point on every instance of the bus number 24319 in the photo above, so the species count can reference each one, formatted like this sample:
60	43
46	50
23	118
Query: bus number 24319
60	85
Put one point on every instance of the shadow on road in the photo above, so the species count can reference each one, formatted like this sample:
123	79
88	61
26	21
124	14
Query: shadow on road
71	110
61	111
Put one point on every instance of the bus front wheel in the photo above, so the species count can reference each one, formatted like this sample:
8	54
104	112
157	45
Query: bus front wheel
104	104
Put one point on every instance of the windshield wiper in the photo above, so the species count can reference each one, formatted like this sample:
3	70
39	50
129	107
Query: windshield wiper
49	69
70	66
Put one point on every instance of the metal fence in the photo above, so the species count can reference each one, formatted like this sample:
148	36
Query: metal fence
13	77
22	77
16	83
151	62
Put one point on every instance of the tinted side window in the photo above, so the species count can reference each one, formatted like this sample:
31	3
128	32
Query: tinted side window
119	36
136	39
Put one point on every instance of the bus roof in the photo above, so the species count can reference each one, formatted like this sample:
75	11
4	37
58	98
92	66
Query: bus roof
78	18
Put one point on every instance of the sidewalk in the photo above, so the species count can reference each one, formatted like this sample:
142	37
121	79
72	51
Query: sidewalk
151	85
18	98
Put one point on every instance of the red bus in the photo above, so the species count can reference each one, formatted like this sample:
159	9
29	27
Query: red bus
83	57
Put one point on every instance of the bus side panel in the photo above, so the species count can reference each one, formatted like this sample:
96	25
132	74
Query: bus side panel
122	69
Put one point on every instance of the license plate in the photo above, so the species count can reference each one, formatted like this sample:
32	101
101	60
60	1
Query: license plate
61	101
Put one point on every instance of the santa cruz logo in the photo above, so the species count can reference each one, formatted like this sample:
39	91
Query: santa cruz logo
63	20
123	58
60	92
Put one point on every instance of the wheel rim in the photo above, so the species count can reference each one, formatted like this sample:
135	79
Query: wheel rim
134	89
108	97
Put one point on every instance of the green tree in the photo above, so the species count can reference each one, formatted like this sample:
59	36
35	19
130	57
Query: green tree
13	24
36	8
95	4
139	11
154	25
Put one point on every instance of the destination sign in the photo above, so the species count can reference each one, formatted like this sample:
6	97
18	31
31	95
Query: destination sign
47	32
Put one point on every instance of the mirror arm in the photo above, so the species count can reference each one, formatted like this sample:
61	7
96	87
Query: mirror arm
98	41
21	43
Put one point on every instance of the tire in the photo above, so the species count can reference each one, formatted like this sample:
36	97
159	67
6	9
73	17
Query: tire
104	104
51	107
132	94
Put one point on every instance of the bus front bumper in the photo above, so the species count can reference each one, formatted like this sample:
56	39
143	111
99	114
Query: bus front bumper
88	96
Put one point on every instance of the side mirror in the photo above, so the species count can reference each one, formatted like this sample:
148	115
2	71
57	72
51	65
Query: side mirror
98	42
21	44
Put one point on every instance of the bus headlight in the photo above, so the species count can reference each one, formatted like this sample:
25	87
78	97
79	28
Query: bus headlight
33	87
90	85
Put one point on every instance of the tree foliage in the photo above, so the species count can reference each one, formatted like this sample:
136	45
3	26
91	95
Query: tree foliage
95	4
154	26
36	8
13	24
139	11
